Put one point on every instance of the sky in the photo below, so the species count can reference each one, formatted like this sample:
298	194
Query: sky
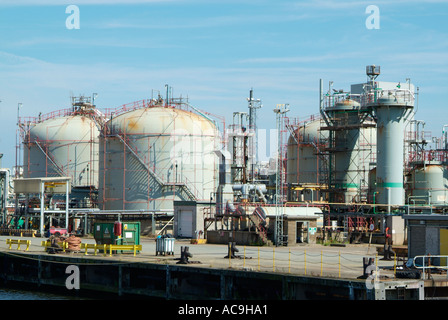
214	53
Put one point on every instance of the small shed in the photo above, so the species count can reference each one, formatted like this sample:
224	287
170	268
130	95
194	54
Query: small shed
300	224
190	218
427	234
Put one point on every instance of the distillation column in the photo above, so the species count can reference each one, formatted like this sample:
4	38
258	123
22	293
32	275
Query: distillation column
391	113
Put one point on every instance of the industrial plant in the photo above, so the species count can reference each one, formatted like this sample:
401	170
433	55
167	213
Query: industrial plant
358	165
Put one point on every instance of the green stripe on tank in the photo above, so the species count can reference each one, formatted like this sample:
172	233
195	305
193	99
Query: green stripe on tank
390	185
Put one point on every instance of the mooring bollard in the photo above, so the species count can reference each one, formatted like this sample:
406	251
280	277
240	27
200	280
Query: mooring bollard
366	262
231	249
184	255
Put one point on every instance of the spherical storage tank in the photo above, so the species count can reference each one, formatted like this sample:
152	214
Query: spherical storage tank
63	146
153	155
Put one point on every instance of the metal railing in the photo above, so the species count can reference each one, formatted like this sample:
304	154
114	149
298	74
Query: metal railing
426	263
299	261
400	95
18	242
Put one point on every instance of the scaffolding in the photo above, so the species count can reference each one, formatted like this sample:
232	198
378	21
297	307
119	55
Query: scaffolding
327	144
350	148
54	145
253	105
361	160
280	184
241	138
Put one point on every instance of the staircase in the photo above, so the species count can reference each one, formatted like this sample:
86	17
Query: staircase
52	160
166	186
135	153
260	230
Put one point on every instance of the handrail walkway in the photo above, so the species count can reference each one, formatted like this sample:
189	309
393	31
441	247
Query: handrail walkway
97	247
426	263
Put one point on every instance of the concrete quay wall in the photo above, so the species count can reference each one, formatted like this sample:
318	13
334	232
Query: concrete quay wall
185	282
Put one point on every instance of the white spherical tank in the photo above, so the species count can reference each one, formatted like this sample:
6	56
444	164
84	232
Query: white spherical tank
154	155
63	146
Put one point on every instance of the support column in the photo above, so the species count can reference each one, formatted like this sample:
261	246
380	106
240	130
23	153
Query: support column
226	287
42	203
66	202
168	283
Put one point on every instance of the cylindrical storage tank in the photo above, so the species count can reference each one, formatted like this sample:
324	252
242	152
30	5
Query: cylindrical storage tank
354	141
302	158
154	155
345	115
390	113
63	146
428	184
304	165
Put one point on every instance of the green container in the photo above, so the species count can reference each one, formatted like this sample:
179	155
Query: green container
130	233
104	233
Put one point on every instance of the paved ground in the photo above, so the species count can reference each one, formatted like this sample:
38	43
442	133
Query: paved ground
313	260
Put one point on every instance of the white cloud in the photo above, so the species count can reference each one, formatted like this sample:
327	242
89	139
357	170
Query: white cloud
8	59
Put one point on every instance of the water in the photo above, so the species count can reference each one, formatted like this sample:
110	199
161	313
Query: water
13	293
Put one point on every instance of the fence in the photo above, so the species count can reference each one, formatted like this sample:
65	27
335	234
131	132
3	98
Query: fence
302	261
426	264
331	262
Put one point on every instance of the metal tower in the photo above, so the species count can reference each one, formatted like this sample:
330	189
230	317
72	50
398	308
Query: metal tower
254	104
280	112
